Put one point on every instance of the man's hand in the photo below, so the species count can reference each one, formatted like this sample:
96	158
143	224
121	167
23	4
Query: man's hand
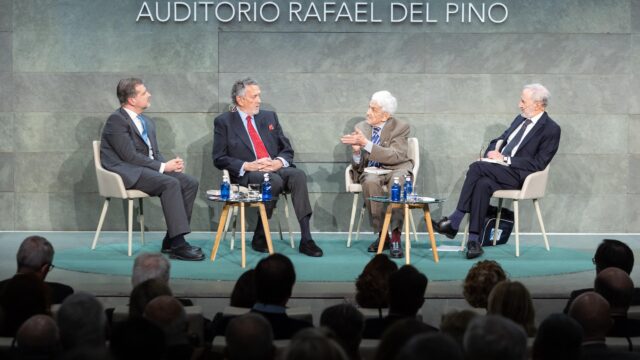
174	165
271	165
356	139
256	165
495	155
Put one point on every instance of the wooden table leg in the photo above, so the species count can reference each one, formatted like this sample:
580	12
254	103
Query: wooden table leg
222	221
265	226
406	235
243	235
385	228
432	238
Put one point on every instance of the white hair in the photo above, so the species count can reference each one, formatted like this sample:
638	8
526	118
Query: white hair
539	93
150	266
387	102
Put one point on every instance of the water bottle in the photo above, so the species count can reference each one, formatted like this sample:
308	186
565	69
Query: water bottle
408	188
225	188
266	188
395	189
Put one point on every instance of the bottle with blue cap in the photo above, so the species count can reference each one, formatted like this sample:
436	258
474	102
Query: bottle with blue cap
225	188
266	188
407	188
395	189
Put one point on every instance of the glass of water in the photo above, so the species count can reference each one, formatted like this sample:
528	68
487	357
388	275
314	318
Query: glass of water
254	191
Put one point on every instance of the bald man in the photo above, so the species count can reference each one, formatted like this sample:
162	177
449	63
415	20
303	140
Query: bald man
616	286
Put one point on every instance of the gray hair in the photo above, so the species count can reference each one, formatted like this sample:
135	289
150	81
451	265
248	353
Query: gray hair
539	93
239	88
495	337
387	102
81	321
150	266
34	252
127	89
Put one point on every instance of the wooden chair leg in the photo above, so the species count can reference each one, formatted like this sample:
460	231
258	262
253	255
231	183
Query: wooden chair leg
413	226
354	207
544	233
103	215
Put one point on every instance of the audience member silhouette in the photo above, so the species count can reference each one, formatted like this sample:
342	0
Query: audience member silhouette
168	314
397	335
314	344
616	287
372	284
455	323
142	294
559	337
610	253
150	266
244	291
82	322
512	300
480	280
23	296
495	337
434	346
249	337
38	338
347	323
35	256
137	338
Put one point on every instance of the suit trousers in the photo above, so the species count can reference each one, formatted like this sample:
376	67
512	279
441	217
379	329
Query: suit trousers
177	192
372	186
482	180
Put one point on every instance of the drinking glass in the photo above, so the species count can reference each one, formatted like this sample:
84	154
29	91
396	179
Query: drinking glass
254	191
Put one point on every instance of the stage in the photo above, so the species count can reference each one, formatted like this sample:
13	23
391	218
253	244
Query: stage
568	266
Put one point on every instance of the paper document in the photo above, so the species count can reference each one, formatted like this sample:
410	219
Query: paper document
493	161
448	248
377	171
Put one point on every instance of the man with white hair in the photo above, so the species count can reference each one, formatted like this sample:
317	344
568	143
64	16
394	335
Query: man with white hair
381	141
529	145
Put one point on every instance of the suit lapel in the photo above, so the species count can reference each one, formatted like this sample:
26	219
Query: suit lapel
263	130
237	124
534	132
133	125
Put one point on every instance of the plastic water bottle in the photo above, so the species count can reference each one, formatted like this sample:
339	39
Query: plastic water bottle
225	188
407	188
395	189
266	188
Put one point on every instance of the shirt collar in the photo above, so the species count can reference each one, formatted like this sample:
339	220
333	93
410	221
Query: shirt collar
534	120
131	113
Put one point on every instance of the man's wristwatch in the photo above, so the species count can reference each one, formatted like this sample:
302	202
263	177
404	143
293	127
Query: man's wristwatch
505	159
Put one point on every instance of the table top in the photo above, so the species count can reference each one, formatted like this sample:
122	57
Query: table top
416	200
239	198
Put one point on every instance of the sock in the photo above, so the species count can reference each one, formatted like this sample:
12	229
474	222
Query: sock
305	229
474	237
177	241
456	218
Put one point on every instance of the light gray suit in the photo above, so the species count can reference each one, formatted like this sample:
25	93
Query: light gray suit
392	154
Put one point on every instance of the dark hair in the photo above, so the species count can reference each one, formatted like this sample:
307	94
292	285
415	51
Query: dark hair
397	335
455	323
274	278
436	345
512	300
612	252
144	292
559	338
406	290
480	280
244	291
239	87
347	323
127	89
372	286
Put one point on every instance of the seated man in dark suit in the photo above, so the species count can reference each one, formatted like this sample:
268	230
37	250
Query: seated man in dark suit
616	287
530	143
249	142
406	297
130	149
610	253
35	256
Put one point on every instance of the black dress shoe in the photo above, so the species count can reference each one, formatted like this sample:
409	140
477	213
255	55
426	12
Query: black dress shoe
186	252
309	248
260	246
374	245
443	226
166	244
474	250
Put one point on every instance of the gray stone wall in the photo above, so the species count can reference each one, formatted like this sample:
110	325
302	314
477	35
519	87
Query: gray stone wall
457	85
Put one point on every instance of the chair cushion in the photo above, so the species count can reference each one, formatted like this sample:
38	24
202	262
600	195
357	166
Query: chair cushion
507	194
135	194
354	188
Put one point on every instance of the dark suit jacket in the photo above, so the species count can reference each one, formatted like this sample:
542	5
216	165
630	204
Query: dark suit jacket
123	150
283	326
375	328
602	352
232	145
58	291
537	148
635	300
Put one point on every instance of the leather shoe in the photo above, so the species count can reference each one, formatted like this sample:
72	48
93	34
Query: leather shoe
396	245
374	245
260	246
309	248
474	250
186	252
166	246
443	226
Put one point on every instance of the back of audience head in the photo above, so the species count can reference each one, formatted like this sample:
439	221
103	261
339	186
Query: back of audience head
512	300
495	337
150	266
274	279
35	255
591	311
145	292
81	321
455	323
249	337
23	296
372	285
244	291
38	338
137	338
314	344
397	335
480	280
559	337
438	346
168	314
406	291
613	253
616	287
347	323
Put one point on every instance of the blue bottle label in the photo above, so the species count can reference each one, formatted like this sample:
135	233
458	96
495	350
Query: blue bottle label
266	191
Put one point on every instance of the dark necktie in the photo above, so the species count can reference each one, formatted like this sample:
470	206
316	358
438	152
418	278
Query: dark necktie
258	145
375	139
516	139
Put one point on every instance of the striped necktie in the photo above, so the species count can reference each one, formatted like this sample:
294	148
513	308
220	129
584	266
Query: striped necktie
517	139
375	139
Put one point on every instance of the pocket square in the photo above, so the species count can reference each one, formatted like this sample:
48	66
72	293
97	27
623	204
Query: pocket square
270	127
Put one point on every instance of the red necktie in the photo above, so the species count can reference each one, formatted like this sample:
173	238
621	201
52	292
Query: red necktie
261	151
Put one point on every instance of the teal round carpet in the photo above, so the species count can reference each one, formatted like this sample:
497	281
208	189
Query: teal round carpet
339	263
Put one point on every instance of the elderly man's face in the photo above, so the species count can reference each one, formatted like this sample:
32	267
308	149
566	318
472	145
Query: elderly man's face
375	114
528	107
249	103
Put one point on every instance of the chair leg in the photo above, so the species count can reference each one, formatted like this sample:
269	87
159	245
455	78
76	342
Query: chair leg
234	227
130	224
354	207
495	229
516	223
463	244
362	211
286	215
544	233
277	214
141	221
103	215
226	224
413	226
